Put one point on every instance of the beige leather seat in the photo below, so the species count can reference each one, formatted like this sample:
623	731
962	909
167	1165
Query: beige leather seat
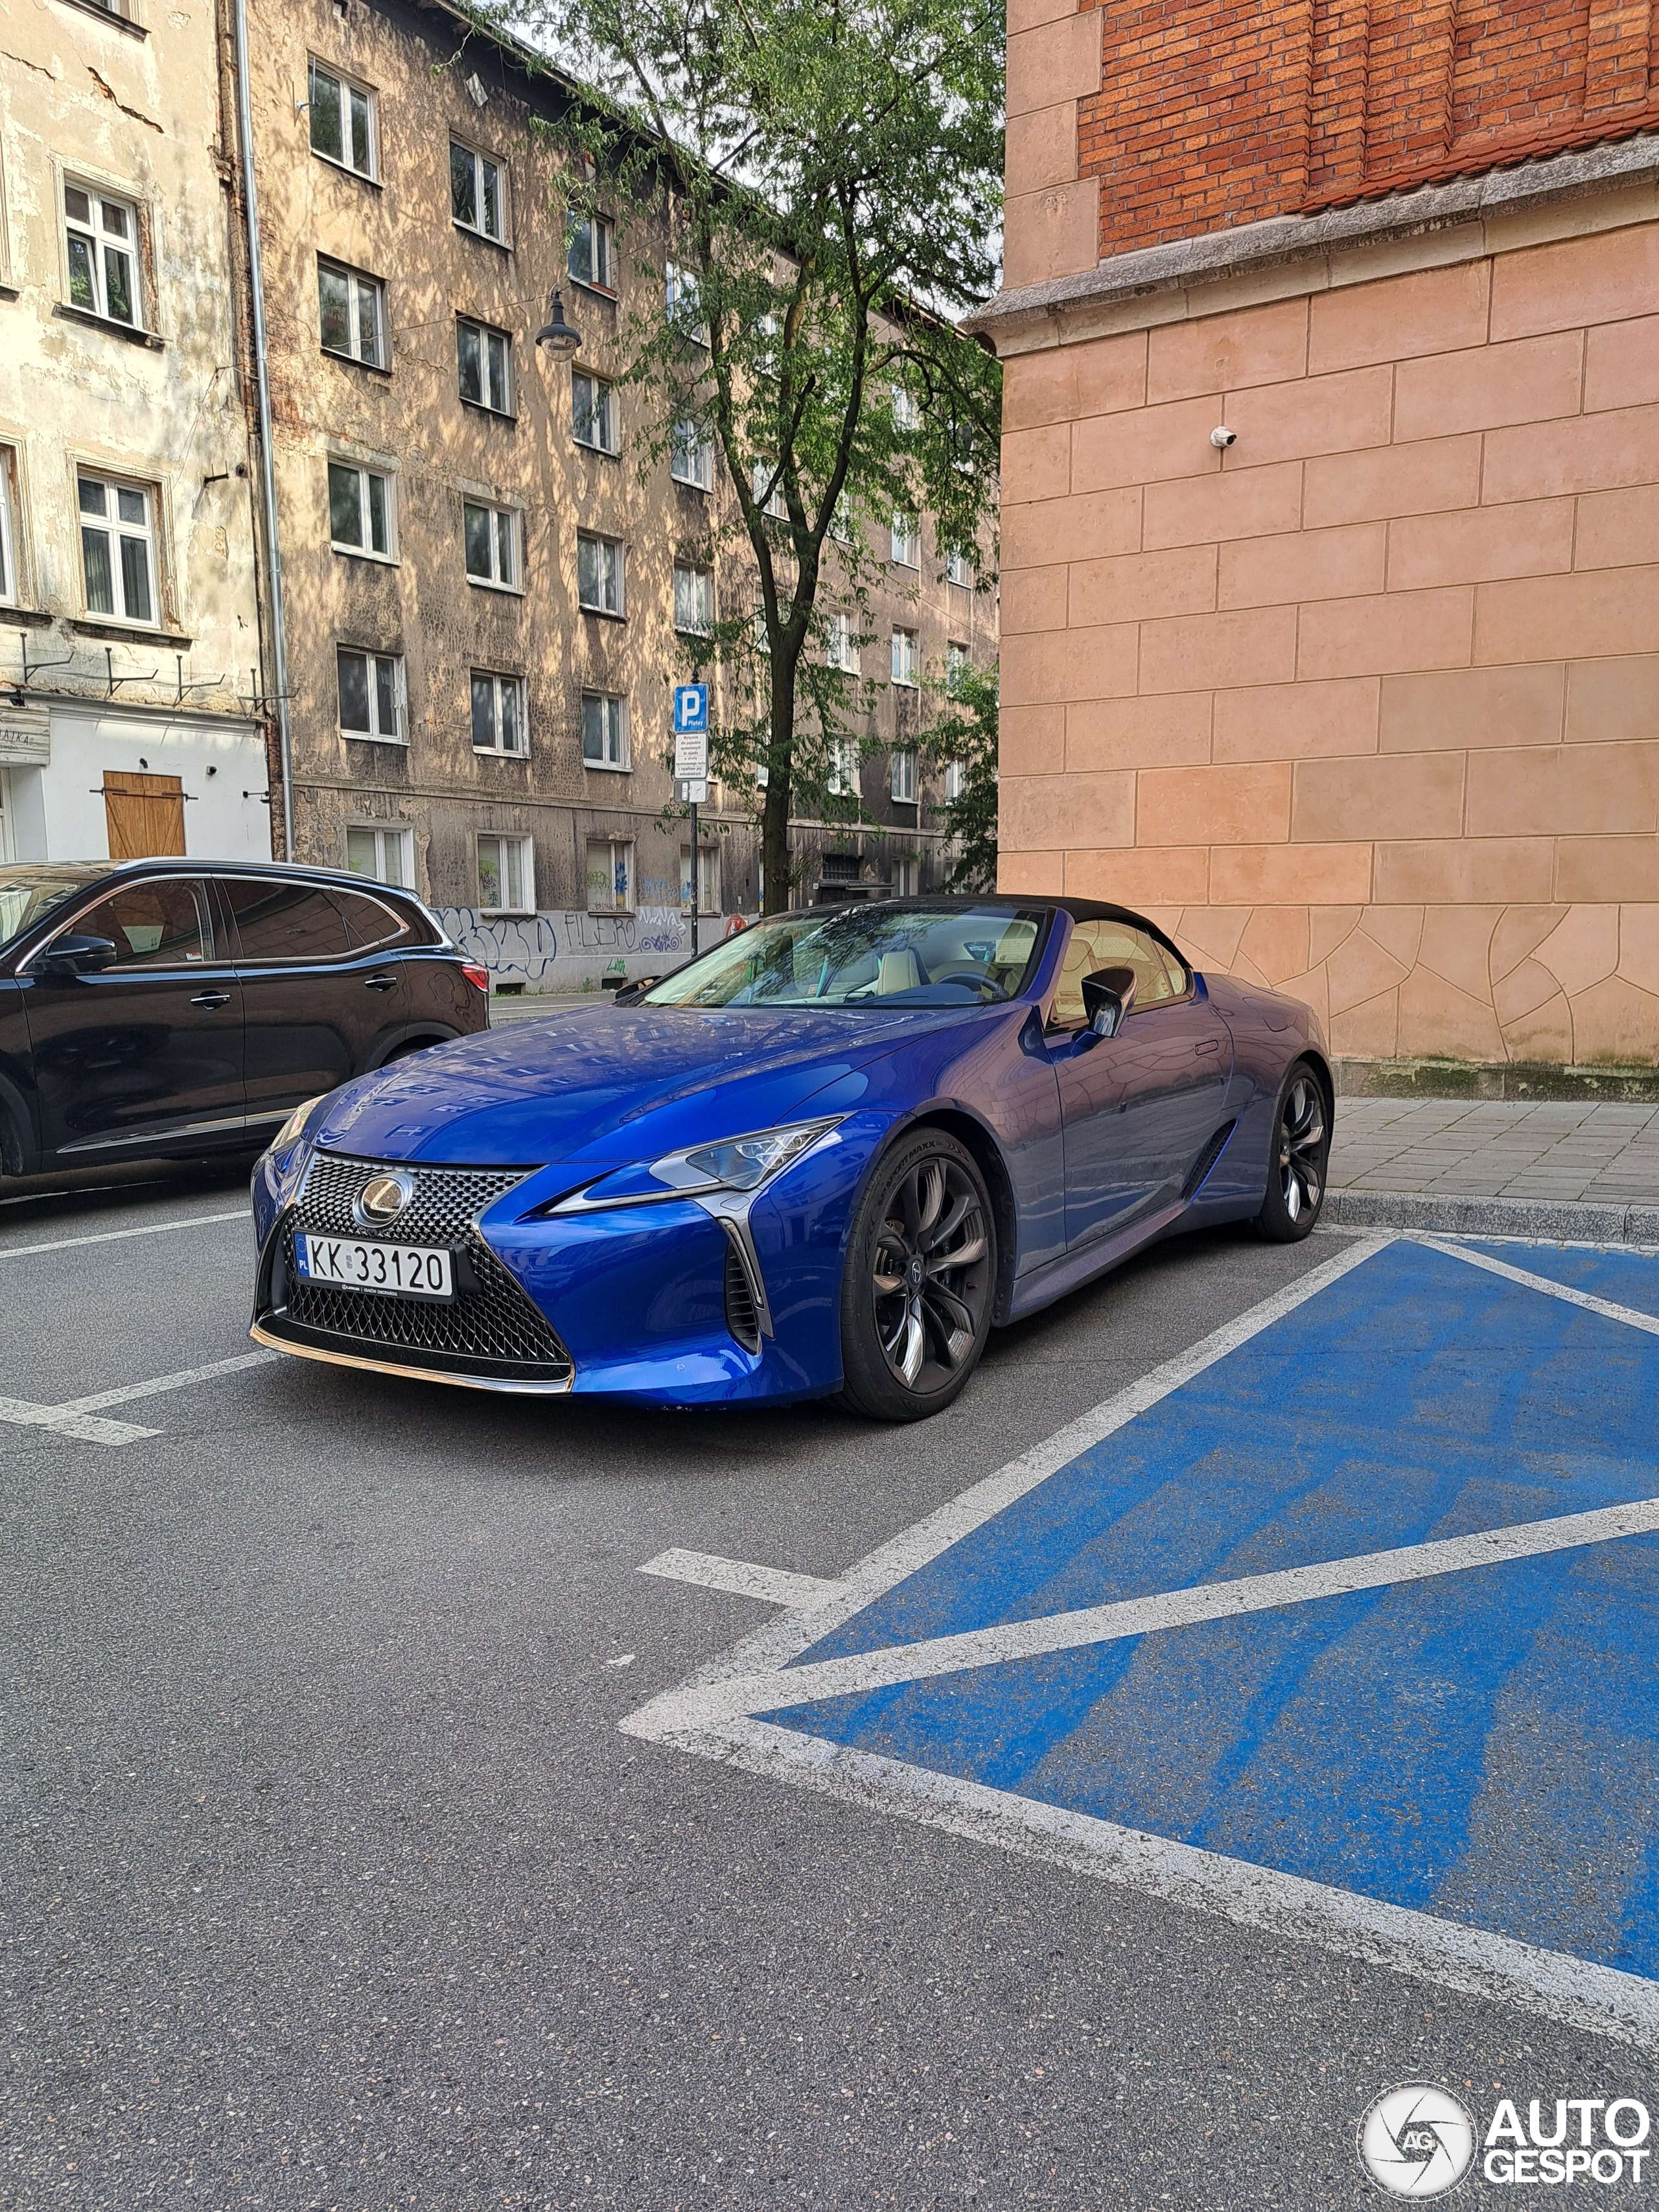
899	972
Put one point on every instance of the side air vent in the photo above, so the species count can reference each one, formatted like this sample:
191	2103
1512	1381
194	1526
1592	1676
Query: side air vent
1206	1160
741	1317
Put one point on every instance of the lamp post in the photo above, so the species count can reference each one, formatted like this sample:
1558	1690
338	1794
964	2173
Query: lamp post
560	338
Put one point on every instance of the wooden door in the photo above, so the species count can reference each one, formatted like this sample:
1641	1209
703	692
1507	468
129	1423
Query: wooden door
145	815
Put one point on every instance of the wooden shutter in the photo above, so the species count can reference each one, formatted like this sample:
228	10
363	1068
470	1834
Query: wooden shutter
145	816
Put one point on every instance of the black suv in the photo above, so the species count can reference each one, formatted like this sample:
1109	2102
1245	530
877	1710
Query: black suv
174	1007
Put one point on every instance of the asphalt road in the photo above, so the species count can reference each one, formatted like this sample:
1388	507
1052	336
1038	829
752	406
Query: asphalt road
329	1878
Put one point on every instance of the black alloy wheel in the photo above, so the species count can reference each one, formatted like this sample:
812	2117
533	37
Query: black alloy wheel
920	1276
1301	1153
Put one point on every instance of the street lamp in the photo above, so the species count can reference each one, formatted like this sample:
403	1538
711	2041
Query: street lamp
561	339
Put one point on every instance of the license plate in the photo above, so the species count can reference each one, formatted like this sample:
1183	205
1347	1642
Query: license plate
407	1271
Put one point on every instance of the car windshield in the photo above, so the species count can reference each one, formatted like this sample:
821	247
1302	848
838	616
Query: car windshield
30	890
891	955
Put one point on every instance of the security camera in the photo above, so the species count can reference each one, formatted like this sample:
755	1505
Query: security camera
1223	437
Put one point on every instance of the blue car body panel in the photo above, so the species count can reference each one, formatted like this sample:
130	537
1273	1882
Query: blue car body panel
582	1101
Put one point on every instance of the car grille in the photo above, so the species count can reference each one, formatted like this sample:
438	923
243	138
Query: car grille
490	1330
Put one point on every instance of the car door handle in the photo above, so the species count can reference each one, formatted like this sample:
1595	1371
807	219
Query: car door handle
211	998
1210	1044
380	983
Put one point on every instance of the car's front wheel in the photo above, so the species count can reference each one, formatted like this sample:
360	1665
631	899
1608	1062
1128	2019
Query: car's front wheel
922	1269
1300	1157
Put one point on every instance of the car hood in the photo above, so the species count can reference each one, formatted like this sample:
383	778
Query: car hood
583	1084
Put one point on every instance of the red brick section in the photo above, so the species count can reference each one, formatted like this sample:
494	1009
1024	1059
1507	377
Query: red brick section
1214	112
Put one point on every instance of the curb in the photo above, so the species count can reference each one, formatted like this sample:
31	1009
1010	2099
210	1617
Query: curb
1557	1220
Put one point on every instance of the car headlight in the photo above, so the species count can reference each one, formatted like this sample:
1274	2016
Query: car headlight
737	1163
294	1125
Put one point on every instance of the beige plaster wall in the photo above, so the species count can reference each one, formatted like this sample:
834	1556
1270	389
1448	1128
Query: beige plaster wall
1368	705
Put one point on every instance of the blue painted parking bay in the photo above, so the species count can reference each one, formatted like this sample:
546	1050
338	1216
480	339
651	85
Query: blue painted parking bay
1480	1745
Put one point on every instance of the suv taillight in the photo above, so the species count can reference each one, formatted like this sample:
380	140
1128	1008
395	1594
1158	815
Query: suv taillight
476	973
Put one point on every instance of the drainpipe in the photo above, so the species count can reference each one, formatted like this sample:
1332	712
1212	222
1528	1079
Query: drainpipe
267	472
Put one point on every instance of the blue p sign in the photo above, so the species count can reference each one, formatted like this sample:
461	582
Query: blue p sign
690	708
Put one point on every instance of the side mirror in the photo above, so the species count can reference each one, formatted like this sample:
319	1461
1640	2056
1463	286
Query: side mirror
1108	996
75	955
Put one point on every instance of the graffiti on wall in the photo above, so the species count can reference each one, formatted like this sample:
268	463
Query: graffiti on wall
563	951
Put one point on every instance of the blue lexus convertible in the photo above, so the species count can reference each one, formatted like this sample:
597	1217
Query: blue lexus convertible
831	1155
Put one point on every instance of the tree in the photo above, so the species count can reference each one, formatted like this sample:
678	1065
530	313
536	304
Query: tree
832	175
965	739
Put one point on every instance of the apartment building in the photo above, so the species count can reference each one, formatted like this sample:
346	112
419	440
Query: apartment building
130	674
1331	473
485	606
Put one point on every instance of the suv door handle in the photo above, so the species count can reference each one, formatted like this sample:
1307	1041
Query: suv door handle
1210	1044
211	999
380	983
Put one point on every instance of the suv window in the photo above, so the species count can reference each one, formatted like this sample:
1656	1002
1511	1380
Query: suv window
1094	944
368	922
163	924
279	921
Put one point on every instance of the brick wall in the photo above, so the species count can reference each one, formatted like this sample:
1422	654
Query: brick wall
1209	112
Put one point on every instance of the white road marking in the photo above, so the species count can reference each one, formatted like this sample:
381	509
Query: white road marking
77	1417
676	1711
179	1381
114	1236
1629	1314
1478	1964
803	1593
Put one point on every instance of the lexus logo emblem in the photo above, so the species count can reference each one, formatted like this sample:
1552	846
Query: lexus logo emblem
383	1197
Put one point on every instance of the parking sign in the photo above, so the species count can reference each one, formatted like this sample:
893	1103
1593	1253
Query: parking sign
690	709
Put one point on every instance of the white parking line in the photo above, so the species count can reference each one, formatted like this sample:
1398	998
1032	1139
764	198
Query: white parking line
77	1417
1629	1314
114	1236
180	1380
803	1593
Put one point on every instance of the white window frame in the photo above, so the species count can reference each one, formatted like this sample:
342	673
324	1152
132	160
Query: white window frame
357	282
604	589
958	568
843	780
691	456
116	526
905	414
955	781
601	401
775	504
958	662
100	244
509	545
507	842
841	648
906	542
370	166
708	879
611	846
365	476
904	775
904	662
600	231
373	662
11	584
699	621
480	162
501	687
488	336
385	840
682	297
616	753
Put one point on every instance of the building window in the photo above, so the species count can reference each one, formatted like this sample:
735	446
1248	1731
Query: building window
906	542
486	366
958	568
767	487
907	876
592	412
507	875
692	457
353	312
384	856
604	730
342	120
905	417
101	237
843	779
600	564
610	875
9	587
588	255
841	521
904	776
371	695
682	301
956	667
492	545
476	197
498	721
694	600
904	656
118	549
955	781
360	511
708	879
841	646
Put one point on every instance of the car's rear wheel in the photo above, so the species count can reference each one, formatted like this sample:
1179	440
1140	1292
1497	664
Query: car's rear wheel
921	1270
1299	1159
